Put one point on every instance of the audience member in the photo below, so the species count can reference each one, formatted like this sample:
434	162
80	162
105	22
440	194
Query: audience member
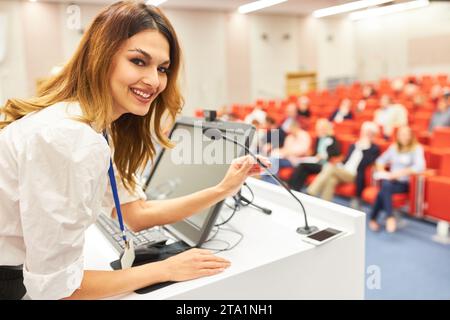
296	145
274	138
441	117
390	116
360	155
342	113
303	107
325	147
404	158
257	114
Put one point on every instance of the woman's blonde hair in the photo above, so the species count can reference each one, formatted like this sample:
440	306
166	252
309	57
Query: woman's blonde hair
412	142
85	79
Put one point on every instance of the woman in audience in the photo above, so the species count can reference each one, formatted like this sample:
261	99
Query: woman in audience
326	147
291	116
296	146
344	112
405	157
361	154
274	137
390	116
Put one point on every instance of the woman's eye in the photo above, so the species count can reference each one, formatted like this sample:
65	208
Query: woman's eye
138	62
163	70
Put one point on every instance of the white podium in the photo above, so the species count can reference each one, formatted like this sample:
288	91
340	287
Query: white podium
271	262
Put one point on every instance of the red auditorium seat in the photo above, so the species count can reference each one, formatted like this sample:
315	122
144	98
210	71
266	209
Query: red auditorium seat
443	80
285	173
345	127
420	120
439	146
315	110
327	111
399	200
293	98
260	103
239	111
441	138
199	113
311	178
436	195
372	104
366	115
437	192
422	136
348	189
272	104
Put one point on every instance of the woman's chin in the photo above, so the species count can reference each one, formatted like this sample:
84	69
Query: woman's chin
139	111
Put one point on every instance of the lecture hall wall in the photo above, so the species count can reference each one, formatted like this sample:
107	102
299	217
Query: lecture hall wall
239	58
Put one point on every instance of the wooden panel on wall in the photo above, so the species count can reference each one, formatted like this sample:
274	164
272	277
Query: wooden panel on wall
298	83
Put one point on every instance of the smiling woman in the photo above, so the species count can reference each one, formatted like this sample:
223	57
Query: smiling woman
121	81
139	75
128	46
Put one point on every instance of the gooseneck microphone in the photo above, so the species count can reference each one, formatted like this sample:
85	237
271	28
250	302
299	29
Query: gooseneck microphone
216	134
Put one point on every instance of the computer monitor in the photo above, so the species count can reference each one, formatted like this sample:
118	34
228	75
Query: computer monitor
195	163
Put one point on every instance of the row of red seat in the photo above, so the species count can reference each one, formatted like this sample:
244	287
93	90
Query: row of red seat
323	102
428	191
420	200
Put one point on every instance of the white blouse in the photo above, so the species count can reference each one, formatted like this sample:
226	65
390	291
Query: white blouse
53	184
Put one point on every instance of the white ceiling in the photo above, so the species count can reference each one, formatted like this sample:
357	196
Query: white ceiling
295	7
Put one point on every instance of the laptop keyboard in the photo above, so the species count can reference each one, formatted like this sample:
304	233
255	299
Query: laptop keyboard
110	228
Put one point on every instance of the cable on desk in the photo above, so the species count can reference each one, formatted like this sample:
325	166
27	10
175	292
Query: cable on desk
237	243
237	205
214	235
216	250
251	192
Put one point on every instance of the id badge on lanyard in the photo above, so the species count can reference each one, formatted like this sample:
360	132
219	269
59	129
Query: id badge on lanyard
128	254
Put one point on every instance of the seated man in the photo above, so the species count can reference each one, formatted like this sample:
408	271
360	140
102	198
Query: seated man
342	113
326	147
441	117
303	107
361	154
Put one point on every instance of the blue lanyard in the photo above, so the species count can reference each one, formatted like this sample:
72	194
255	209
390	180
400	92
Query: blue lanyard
112	180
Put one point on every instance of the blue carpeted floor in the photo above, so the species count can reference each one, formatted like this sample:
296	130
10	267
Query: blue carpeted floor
410	264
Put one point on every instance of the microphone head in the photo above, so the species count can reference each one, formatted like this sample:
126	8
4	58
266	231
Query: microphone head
213	134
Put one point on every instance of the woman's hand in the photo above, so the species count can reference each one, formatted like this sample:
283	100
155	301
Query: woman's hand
194	263
240	169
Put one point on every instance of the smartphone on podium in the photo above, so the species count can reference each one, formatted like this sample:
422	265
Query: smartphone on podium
323	236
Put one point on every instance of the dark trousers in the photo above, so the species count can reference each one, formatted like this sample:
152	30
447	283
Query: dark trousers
301	174
384	198
11	284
